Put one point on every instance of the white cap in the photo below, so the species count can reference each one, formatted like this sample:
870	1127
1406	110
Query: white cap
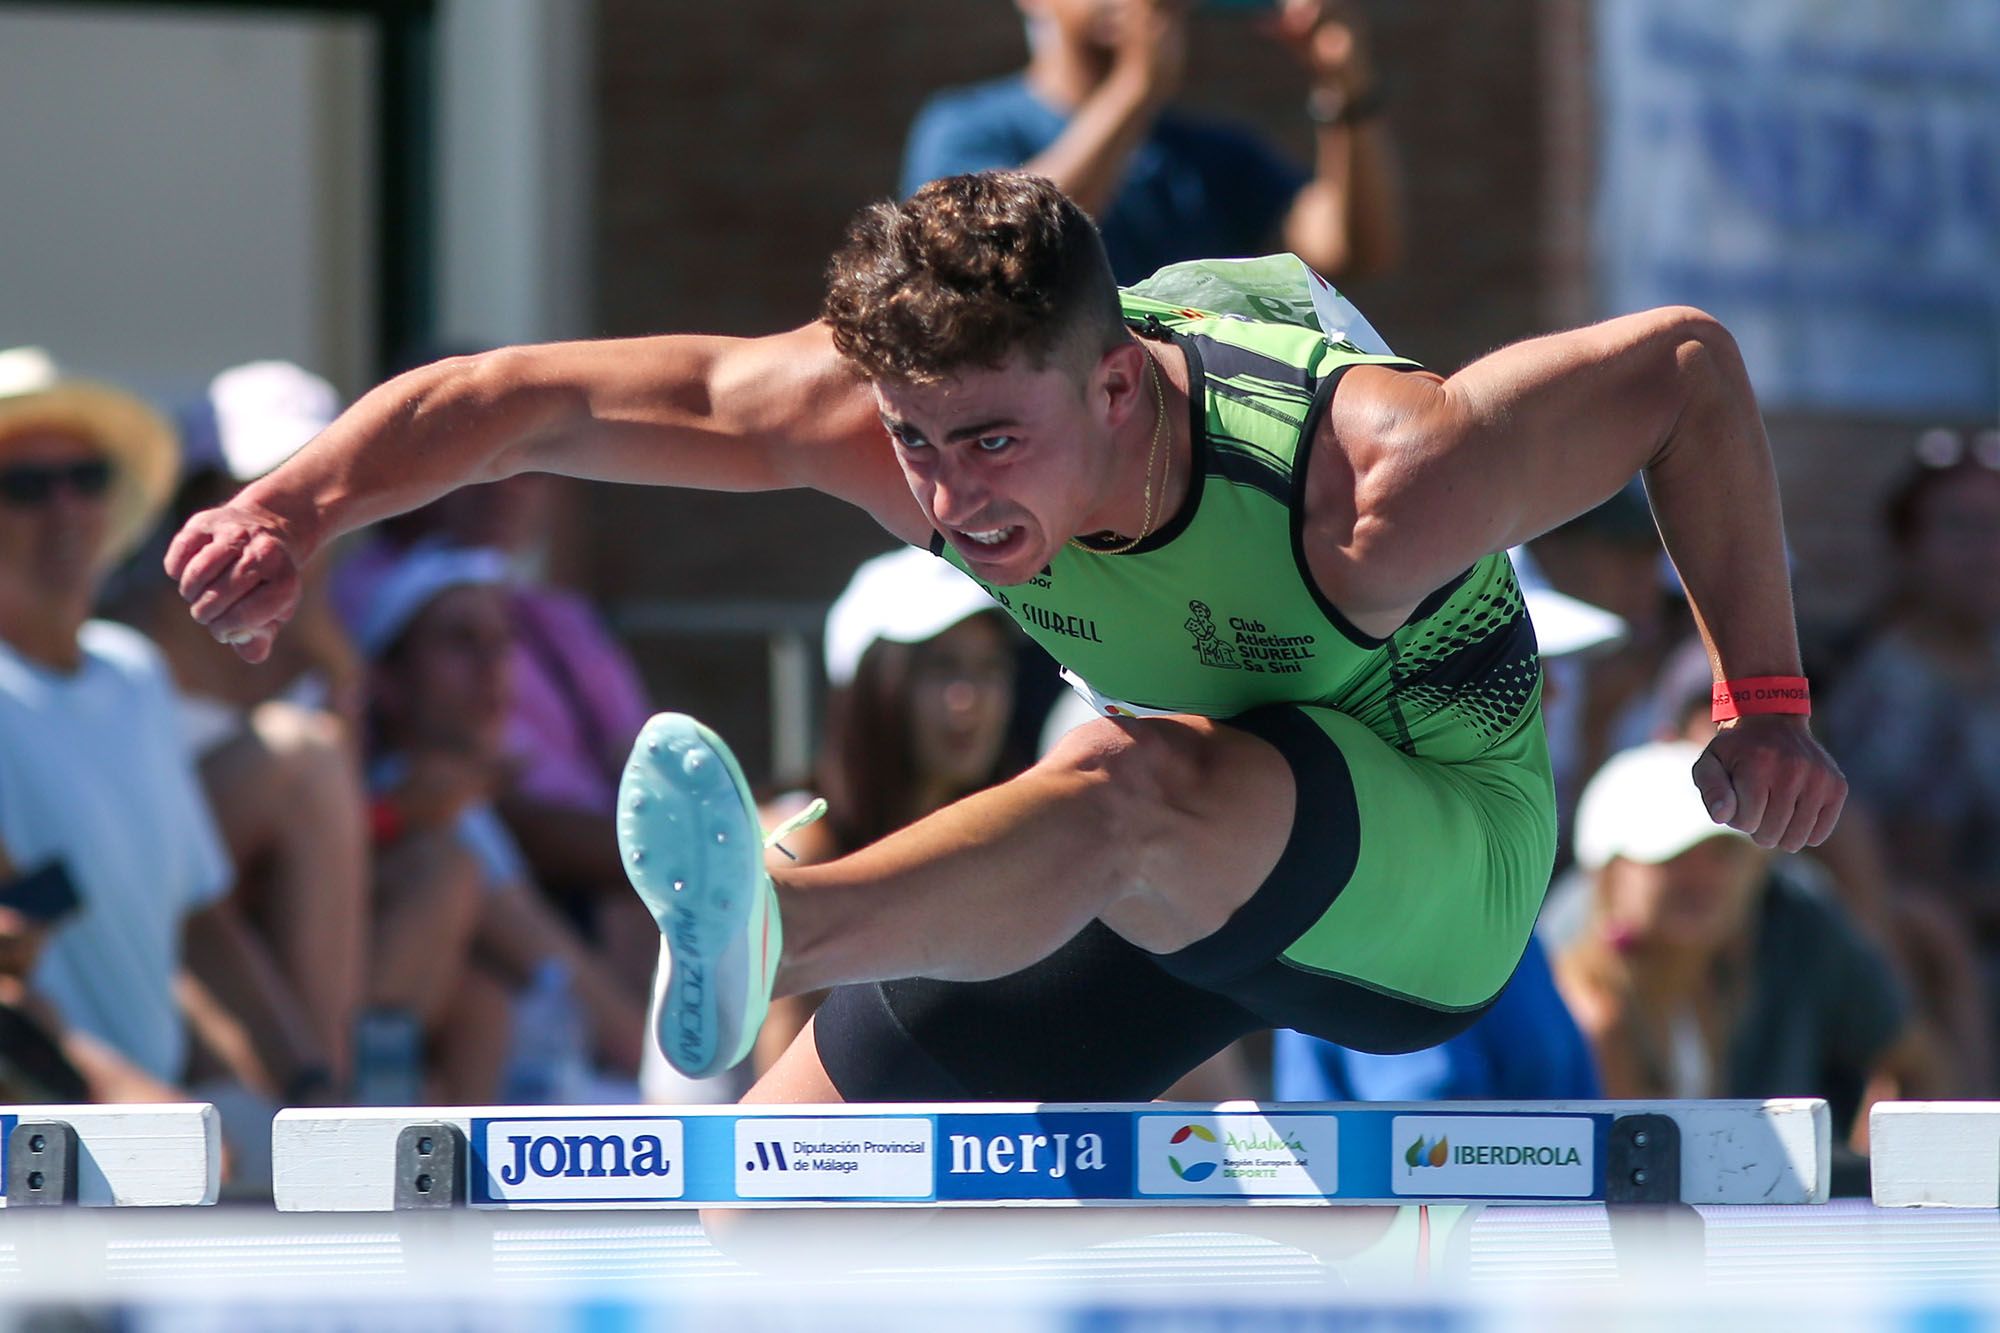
906	596
1566	625
415	583
1643	806
265	411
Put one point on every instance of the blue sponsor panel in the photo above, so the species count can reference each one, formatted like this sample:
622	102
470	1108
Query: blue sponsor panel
1045	1155
7	1123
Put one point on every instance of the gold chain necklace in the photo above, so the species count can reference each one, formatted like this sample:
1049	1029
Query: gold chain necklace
1152	452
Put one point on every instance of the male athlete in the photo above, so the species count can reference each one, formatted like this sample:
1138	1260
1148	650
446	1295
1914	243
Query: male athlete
1320	797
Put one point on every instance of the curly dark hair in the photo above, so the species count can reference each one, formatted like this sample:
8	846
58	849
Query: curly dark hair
966	271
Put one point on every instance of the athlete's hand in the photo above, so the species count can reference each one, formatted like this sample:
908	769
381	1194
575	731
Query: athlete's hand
239	575
1769	778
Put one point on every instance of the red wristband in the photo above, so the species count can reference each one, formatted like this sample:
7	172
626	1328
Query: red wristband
1760	694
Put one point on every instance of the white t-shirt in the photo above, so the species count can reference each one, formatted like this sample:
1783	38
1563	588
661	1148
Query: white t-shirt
94	769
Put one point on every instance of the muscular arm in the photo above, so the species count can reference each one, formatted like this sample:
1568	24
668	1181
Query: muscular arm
1428	476
705	412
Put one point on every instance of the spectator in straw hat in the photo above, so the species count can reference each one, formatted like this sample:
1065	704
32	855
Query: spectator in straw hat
275	752
95	772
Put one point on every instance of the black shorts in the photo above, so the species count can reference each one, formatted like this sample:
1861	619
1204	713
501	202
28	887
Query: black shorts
1103	1020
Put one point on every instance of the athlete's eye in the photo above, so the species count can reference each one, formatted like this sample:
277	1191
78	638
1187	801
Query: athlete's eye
993	444
907	438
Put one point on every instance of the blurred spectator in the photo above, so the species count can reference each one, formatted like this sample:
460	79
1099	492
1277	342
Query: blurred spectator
1704	971
95	772
440	639
41	1058
576	703
1933	949
1915	720
921	665
1526	1047
1092	112
1609	557
281	773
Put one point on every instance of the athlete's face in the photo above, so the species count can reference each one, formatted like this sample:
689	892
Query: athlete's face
1007	463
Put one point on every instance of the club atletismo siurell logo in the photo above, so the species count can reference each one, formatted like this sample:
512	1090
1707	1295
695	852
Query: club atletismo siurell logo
1196	1168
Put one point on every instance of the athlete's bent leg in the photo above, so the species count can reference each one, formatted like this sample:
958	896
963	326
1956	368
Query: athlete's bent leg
1158	827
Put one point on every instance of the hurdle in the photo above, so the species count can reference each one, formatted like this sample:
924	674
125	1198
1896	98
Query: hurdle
110	1156
933	1155
1934	1154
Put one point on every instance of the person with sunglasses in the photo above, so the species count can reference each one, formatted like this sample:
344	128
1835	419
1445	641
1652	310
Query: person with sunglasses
94	768
1916	717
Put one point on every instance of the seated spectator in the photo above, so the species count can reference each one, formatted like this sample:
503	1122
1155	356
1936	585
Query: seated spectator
921	665
1933	951
1609	557
1701	972
41	1058
280	769
440	640
577	702
95	772
1526	1047
1915	720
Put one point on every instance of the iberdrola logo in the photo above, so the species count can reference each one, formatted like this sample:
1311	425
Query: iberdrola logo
1433	1153
1195	1170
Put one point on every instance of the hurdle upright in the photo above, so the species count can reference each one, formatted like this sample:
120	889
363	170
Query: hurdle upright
110	1155
1114	1154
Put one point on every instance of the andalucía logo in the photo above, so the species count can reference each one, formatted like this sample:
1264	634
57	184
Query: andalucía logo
1420	1154
1196	1169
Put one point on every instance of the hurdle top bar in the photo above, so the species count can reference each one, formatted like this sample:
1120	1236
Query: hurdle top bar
110	1156
1934	1154
973	1154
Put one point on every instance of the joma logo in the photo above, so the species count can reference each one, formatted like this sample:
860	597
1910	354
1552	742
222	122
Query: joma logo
584	1157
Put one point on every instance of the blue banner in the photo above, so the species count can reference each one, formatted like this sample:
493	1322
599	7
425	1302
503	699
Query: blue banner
1823	179
1004	1157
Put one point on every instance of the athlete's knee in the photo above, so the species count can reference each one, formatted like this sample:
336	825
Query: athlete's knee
1142	772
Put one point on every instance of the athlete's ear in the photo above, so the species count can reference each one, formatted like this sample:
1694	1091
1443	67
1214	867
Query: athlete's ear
1118	384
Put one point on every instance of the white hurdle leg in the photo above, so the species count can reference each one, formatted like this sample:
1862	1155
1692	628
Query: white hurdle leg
1934	1154
110	1156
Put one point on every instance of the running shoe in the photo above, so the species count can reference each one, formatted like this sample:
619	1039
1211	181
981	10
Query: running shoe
689	839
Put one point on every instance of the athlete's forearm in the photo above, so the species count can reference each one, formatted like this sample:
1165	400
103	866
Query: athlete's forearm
1714	491
685	410
402	445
